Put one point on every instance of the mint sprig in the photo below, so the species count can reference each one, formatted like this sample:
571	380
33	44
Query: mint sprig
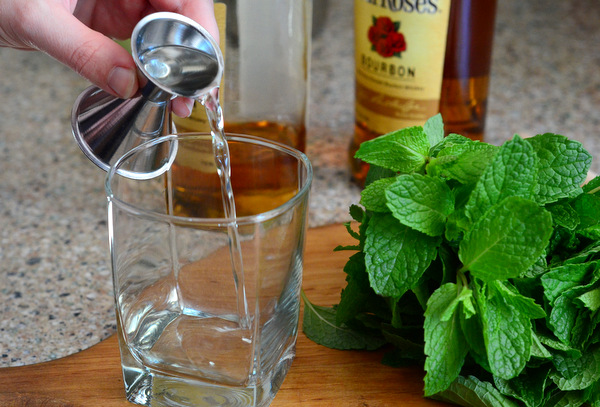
481	262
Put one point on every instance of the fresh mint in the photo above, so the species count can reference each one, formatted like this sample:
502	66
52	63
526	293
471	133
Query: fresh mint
396	256
404	150
479	262
506	240
420	202
445	345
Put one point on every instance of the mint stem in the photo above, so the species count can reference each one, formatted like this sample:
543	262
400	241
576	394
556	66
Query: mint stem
593	191
422	295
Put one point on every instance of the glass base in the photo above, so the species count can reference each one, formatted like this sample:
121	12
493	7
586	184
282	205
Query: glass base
152	388
149	388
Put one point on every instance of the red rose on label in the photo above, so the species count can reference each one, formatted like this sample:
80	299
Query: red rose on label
385	25
374	34
384	48
397	42
385	37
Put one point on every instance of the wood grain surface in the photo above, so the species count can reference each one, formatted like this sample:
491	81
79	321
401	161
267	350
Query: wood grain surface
319	377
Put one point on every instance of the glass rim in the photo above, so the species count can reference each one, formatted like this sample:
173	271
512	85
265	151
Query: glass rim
304	189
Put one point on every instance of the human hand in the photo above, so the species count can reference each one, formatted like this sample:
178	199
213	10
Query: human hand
78	33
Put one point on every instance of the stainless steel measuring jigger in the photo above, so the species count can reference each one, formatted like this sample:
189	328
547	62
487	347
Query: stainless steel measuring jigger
175	56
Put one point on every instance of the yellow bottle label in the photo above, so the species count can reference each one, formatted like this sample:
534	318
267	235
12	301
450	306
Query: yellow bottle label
198	121
399	51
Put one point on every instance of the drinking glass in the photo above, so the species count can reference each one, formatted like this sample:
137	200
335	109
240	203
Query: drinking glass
207	306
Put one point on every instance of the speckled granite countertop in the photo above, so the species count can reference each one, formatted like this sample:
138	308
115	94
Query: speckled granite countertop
55	284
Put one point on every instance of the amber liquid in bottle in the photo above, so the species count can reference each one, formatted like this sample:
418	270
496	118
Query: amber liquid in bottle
288	134
197	191
463	99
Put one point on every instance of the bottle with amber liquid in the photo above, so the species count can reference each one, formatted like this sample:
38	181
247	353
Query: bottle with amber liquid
417	58
266	48
263	93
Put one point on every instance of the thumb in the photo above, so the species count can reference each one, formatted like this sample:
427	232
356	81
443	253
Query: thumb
94	56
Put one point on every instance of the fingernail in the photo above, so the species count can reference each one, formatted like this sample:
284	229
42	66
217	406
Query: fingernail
184	109
122	81
189	103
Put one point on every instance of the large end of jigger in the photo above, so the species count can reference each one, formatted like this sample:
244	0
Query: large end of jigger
175	56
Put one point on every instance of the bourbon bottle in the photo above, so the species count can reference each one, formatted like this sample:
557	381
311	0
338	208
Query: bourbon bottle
415	58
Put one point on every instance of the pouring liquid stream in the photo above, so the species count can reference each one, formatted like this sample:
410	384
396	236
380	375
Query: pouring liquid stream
184	70
223	164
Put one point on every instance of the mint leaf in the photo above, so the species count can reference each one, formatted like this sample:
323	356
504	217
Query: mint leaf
528	387
403	150
373	197
591	233
525	305
563	318
506	331
358	296
354	297
585	324
421	202
396	256
587	208
591	395
590	299
434	129
445	345
562	399
376	172
563	166
405	347
472	392
457	223
538	350
559	346
577	374
507	240
449	141
357	213
586	254
569	322
472	329
564	215
560	279
512	172
463	162
319	326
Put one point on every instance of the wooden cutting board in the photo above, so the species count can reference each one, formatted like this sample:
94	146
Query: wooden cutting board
319	377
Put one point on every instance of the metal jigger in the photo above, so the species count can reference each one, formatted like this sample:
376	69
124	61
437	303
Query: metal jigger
106	127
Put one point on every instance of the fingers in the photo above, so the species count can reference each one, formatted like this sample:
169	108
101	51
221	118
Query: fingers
109	66
50	27
91	54
201	11
182	107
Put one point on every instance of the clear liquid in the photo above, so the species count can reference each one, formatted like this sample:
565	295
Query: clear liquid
182	69
186	70
223	163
